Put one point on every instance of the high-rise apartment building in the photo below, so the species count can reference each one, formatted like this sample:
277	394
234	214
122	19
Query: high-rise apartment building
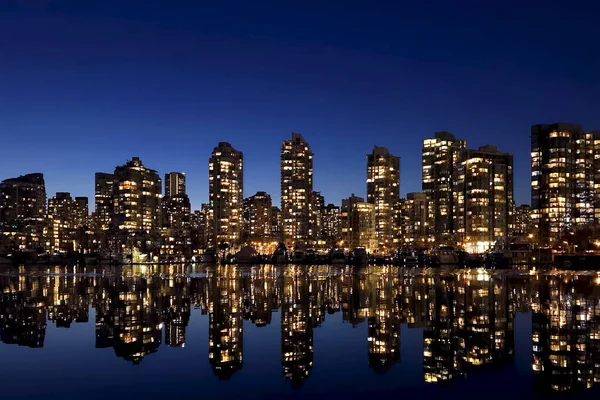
201	228
331	225
81	212
136	197
276	223
317	204
23	198
483	197
176	211
226	191
522	226
174	183
257	216
358	224
104	212
383	191
563	179
61	226
23	211
440	156
415	228
296	189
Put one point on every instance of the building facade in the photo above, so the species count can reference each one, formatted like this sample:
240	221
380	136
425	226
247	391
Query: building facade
276	223
331	225
61	223
483	198
81	212
440	156
201	228
136	197
383	191
175	183
317	205
522	226
257	216
176	214
296	190
226	191
358	224
104	205
563	179
415	227
23	212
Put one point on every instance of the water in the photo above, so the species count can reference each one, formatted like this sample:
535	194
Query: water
297	332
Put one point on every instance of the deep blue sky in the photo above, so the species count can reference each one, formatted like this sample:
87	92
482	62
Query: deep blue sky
86	85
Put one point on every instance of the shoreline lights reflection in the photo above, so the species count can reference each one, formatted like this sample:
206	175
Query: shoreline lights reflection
467	316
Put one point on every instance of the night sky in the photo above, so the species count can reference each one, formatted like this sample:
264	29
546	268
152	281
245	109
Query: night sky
86	85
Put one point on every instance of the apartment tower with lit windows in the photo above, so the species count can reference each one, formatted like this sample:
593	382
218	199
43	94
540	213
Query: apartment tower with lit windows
383	190
226	191
563	179
174	184
358	224
483	197
257	216
296	190
104	210
440	155
137	191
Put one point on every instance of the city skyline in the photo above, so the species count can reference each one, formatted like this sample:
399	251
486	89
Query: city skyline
168	87
303	199
361	188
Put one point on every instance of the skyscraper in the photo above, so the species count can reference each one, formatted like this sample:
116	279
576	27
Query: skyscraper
136	196
483	197
383	190
176	216
331	225
296	189
358	224
104	211
226	191
176	212
23	210
81	212
201	228
23	198
562	179
317	204
61	216
276	223
415	219
257	216
174	183
440	155
522	217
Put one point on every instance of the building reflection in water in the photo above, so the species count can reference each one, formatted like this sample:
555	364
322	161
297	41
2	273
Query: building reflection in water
225	321
467	316
566	332
384	319
296	324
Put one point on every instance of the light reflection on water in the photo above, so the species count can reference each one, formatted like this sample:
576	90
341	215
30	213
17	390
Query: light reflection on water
273	331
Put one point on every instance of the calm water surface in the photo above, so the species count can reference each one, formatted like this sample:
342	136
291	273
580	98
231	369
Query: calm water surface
295	332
